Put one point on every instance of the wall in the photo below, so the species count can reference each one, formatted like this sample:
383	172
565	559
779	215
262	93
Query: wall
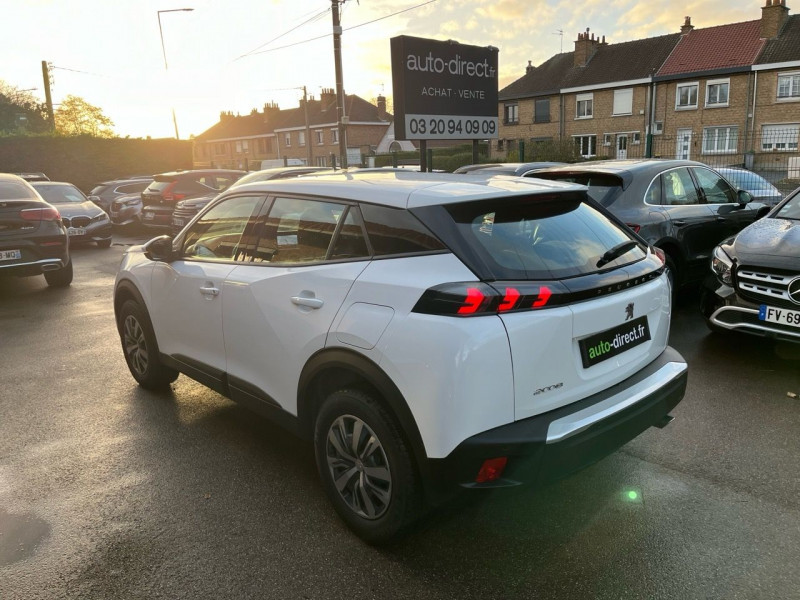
86	161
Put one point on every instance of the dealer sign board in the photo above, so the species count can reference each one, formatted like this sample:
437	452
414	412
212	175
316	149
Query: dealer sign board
443	90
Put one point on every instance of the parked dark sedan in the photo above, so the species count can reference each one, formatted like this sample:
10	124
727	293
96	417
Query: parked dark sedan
681	206
33	240
104	194
85	221
167	189
755	283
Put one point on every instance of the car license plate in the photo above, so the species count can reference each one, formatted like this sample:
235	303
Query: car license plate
606	344
177	222
782	316
148	216
76	231
10	254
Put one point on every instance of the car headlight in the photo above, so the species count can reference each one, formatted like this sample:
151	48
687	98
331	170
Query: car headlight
722	265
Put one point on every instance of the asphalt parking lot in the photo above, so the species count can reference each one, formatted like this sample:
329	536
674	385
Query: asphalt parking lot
109	491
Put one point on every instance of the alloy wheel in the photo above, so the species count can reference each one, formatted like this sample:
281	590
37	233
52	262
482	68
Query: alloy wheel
359	467
135	345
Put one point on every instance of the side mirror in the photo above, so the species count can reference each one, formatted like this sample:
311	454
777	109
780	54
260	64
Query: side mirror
160	249
745	197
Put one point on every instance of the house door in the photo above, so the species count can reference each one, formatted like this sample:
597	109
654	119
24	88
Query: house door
683	147
622	146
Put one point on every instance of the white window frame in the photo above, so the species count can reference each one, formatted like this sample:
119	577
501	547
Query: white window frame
728	139
511	113
588	100
709	83
320	137
301	138
287	139
238	147
620	98
607	139
794	87
781	138
579	140
679	87
335	135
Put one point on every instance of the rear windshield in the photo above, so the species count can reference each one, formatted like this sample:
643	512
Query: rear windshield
97	190
11	190
158	186
550	238
603	188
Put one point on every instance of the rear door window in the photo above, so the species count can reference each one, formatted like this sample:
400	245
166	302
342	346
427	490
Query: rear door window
678	188
715	189
544	238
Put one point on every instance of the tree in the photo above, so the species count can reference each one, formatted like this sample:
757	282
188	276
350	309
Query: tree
20	112
75	116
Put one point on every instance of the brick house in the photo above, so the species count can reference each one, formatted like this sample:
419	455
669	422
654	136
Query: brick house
728	95
308	133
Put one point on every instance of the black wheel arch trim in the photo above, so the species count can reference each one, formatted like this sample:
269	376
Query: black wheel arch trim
364	368
125	290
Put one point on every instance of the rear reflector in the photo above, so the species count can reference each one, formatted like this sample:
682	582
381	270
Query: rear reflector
491	470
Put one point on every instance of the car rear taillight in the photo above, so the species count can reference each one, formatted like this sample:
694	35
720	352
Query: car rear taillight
661	255
634	226
40	214
475	298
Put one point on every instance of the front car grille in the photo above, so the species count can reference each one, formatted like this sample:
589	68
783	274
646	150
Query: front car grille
759	285
81	221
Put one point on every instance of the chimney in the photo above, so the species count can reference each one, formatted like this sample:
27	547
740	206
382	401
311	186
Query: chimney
585	47
271	109
529	69
687	25
773	16
327	99
225	115
382	108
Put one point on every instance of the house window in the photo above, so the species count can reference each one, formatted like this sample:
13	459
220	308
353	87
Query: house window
637	137
686	96
320	139
781	138
245	146
789	86
623	102
584	106
720	140
717	92
542	111
287	139
238	147
335	136
500	144
221	148
510	114
586	145
606	139
301	138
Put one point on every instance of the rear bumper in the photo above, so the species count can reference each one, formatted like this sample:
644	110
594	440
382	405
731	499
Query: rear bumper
565	440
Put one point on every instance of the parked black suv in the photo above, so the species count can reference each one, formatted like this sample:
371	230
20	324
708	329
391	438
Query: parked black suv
681	206
103	194
167	189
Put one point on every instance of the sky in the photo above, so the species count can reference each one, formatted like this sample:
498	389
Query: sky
236	55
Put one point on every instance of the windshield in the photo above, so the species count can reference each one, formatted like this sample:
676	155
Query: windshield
745	180
790	210
59	194
603	188
545	238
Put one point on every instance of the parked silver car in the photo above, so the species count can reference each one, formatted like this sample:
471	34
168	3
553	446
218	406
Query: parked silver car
760	189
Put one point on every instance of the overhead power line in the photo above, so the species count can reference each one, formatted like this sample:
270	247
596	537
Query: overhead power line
316	17
319	37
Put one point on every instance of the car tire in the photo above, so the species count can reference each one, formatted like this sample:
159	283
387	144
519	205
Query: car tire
104	243
60	278
672	274
373	484
140	348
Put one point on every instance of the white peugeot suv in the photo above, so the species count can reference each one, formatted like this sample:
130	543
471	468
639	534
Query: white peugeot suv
429	333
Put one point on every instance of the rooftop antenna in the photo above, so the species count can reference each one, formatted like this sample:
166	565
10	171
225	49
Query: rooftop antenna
560	32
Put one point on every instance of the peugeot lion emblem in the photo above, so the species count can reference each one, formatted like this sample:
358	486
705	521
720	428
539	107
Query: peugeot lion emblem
794	290
629	312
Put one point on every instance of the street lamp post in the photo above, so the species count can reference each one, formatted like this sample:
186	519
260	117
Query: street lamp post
164	52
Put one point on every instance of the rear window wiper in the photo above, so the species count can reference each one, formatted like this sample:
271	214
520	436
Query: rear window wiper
616	252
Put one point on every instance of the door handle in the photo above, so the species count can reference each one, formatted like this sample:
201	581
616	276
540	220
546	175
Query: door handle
679	223
209	290
721	219
309	302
